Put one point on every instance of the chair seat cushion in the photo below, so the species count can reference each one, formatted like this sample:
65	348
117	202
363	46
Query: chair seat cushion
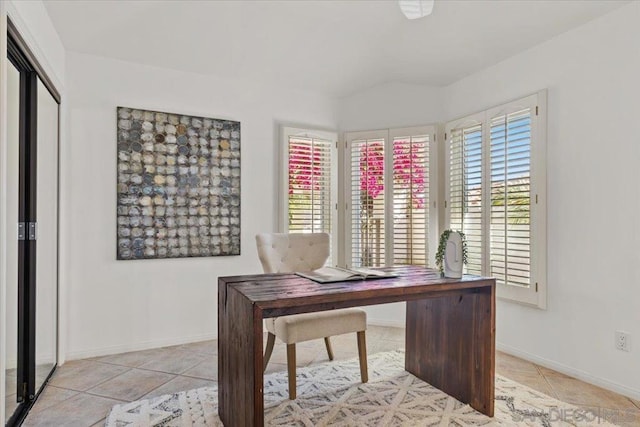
311	326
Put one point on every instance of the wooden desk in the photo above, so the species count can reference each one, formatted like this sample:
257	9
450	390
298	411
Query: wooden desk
450	331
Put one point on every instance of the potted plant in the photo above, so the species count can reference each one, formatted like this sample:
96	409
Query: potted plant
452	253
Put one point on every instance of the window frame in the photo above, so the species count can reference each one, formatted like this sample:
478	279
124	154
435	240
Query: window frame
465	122
286	132
432	208
536	294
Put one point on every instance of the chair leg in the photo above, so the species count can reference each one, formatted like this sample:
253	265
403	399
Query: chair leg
271	340
291	367
362	354
327	343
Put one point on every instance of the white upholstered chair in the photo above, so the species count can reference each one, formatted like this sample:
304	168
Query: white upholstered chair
285	253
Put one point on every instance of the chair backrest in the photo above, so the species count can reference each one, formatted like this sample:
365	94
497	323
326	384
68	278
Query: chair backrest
285	253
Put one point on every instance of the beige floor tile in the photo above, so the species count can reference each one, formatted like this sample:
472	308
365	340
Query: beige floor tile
275	367
205	347
179	383
10	405
313	345
197	362
626	419
207	370
174	361
636	402
42	372
577	392
384	345
394	334
506	363
548	372
52	396
597	415
338	355
79	411
100	423
346	343
304	355
532	380
131	385
377	332
10	380
131	359
81	375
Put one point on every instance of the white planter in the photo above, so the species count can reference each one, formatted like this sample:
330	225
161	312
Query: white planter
453	257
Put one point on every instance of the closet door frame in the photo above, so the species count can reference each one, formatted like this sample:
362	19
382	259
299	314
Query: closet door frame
30	70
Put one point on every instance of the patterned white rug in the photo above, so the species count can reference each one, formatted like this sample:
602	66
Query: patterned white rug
331	394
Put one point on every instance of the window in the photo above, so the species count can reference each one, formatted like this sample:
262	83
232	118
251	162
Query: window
308	182
388	193
410	179
366	188
465	185
495	195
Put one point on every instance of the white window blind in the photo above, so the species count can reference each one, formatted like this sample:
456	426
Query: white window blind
465	184
496	195
367	202
410	200
309	185
390	219
309	182
511	198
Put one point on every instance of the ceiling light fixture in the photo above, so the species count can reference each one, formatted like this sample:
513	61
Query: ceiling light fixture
414	9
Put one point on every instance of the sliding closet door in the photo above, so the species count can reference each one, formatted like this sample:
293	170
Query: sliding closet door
32	190
47	235
11	186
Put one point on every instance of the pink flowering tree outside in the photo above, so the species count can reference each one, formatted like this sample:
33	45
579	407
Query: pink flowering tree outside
306	175
408	176
305	168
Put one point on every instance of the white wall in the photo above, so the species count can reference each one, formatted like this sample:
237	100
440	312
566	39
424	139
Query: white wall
115	306
391	105
592	74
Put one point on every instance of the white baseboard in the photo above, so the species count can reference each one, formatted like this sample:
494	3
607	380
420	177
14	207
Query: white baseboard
146	345
572	372
386	322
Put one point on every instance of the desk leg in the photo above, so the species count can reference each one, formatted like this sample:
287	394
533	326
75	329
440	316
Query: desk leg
240	376
450	344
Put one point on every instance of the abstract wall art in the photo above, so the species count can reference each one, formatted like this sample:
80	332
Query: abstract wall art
178	185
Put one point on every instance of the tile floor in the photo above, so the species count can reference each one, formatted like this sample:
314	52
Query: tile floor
82	392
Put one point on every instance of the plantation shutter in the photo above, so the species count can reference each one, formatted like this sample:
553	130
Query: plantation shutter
411	199
389	215
366	201
465	190
510	261
496	193
309	185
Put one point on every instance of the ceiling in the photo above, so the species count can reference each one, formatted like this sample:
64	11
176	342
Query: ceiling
331	47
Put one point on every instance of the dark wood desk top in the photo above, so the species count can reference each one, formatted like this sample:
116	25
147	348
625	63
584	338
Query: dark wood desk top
287	293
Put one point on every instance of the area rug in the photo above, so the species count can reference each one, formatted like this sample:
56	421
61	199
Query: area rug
331	394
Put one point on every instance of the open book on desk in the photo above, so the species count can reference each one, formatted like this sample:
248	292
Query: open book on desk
337	274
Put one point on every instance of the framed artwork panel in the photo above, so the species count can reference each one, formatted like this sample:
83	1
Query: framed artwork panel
178	185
